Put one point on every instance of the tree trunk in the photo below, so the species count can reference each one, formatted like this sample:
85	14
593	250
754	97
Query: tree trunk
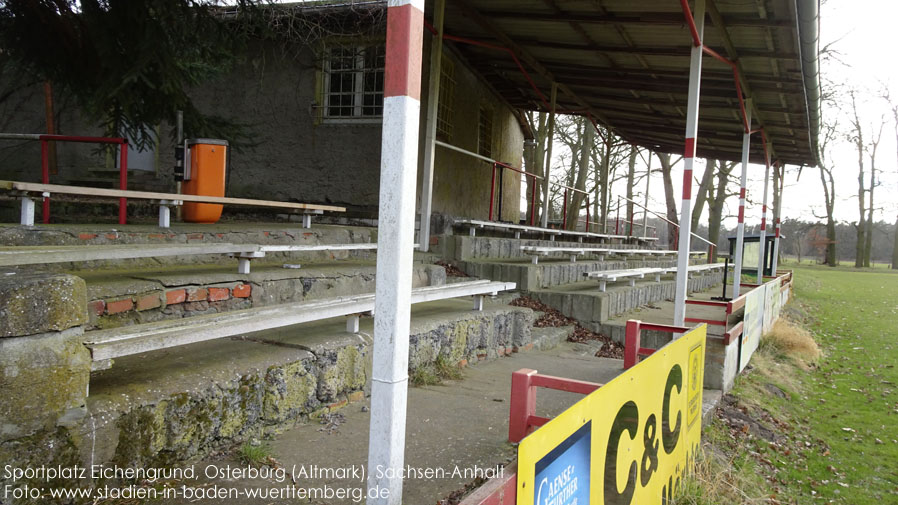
577	198
631	176
702	195
868	233
861	193
895	248
603	180
669	198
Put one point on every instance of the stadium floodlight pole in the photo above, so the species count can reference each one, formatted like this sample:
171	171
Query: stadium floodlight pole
433	99
762	243
396	220
740	228
697	25
547	166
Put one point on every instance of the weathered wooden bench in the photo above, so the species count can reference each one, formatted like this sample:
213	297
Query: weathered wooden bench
631	275
106	345
40	255
475	224
573	252
708	267
27	191
536	251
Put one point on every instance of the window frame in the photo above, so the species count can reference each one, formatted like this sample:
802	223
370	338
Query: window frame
360	72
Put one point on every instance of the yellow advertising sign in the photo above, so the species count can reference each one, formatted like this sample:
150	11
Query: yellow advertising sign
629	442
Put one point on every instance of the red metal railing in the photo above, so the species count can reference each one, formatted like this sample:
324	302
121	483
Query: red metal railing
123	167
522	416
632	347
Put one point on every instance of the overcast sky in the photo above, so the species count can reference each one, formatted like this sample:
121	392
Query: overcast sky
863	32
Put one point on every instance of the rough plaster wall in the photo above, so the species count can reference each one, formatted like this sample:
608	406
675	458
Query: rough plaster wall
273	91
461	185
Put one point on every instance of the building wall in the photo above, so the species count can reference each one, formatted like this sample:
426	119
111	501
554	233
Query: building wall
297	156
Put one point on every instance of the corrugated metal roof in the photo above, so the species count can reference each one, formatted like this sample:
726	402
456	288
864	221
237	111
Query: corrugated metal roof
627	63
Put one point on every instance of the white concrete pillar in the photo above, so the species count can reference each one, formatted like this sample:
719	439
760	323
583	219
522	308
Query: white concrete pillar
740	227
396	221
26	217
695	78
762	245
433	101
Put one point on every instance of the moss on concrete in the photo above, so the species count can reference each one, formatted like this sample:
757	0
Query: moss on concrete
33	303
42	377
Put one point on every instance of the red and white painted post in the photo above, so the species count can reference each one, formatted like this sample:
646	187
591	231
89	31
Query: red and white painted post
695	78
762	244
398	171
740	228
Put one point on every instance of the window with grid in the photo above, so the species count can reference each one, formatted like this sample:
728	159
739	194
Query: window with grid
354	82
485	132
446	104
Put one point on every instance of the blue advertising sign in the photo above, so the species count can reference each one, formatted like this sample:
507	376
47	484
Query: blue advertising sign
562	475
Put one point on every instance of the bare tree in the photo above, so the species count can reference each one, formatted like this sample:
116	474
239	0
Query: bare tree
856	136
894	108
868	232
702	195
716	198
666	168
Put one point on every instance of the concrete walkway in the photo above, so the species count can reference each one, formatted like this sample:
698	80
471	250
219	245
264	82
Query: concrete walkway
458	425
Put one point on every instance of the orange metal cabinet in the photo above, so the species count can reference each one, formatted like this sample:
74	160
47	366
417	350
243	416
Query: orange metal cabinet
208	162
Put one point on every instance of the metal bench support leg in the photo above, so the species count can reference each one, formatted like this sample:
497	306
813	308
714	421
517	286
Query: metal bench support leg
243	265
551	238
478	303
352	324
472	231
580	239
306	221
632	282
27	217
517	234
657	277
603	285
573	258
534	259
164	216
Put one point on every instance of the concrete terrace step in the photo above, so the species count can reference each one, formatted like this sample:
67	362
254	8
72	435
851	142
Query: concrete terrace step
180	403
106	345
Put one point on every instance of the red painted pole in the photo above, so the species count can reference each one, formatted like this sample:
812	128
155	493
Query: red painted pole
631	344
522	404
492	191
564	212
45	177
123	183
532	199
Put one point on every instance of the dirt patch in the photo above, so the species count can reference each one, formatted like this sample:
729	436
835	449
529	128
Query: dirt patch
552	318
451	270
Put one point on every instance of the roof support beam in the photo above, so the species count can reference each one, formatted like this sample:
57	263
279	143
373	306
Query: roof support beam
640	18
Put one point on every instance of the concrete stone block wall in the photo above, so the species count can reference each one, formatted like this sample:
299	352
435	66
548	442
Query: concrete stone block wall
594	308
466	248
547	274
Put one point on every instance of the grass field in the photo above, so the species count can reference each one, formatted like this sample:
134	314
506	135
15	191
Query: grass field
818	431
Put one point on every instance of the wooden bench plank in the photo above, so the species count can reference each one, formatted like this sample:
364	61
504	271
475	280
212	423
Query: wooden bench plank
106	345
36	255
29	187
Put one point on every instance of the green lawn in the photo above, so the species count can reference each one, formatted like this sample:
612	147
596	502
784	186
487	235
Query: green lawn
851	401
836	431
